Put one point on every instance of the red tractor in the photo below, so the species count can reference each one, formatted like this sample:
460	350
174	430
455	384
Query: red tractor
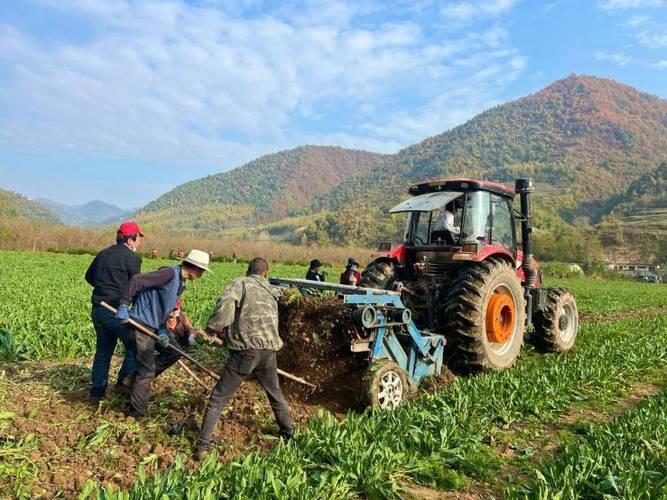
464	274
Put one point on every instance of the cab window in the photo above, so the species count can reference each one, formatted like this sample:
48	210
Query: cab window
476	219
502	230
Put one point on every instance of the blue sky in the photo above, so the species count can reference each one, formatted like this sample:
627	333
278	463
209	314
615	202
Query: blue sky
121	100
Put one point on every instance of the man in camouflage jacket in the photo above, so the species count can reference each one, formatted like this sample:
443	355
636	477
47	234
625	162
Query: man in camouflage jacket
247	311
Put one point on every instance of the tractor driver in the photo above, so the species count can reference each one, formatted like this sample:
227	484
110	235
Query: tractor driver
445	220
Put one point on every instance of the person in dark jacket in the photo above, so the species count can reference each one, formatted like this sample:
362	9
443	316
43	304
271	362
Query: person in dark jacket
109	274
153	297
315	272
351	276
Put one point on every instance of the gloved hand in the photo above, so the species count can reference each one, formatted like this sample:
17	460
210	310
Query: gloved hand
163	340
123	314
192	339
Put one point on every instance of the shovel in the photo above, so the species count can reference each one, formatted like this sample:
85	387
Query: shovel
208	371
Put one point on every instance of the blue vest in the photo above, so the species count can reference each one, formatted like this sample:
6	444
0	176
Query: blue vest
152	306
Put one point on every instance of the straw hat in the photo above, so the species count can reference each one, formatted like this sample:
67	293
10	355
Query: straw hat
198	258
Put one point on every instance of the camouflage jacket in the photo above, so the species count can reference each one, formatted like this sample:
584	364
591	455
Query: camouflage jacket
249	308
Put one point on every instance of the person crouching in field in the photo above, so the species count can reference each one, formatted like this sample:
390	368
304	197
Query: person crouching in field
178	324
109	274
248	311
153	297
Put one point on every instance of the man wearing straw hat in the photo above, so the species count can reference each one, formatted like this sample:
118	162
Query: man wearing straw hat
153	297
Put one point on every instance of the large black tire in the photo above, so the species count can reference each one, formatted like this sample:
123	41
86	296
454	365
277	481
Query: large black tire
381	273
557	325
476	292
384	385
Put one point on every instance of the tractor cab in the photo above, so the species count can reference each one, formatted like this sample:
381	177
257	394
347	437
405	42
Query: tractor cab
456	220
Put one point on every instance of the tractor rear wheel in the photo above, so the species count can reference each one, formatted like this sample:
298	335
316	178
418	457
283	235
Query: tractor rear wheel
556	325
484	316
380	273
384	385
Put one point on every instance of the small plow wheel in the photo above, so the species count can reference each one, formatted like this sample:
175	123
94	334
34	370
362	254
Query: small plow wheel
385	385
557	325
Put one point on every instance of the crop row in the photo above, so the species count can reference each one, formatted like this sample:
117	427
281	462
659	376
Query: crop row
45	302
626	458
439	440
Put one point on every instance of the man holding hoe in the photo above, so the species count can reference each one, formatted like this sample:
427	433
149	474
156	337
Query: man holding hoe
154	296
246	316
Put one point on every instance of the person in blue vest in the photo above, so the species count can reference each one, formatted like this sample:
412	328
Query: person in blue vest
153	297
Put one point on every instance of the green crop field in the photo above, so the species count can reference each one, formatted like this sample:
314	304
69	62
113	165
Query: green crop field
587	424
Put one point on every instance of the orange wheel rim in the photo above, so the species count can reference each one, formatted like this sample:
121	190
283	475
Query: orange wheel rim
500	318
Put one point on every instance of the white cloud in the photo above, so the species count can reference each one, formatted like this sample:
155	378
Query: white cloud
629	4
635	21
165	81
661	64
465	11
617	57
652	39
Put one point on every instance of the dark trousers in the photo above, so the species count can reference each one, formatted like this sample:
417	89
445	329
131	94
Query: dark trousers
109	330
240	365
152	360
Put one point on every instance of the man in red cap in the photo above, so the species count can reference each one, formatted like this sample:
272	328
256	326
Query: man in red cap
109	274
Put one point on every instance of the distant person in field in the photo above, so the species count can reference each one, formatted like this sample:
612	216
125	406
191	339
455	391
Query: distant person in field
315	272
351	276
180	253
234	258
153	297
154	253
246	317
109	274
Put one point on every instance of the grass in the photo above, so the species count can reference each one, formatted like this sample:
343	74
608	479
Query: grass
625	458
444	438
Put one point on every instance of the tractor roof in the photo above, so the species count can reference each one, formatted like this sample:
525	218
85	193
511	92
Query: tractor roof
461	185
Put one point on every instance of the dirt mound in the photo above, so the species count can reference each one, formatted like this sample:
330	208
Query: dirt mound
317	333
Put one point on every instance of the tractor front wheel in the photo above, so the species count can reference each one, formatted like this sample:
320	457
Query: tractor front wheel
380	273
557	324
384	385
484	316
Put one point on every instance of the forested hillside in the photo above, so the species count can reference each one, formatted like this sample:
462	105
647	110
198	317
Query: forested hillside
16	205
585	140
263	190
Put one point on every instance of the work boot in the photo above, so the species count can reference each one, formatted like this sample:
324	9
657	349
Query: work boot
94	400
286	435
201	452
122	389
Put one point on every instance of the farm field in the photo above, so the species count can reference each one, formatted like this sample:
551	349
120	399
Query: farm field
568	425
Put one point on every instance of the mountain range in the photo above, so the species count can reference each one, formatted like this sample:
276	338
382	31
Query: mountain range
93	213
584	139
596	148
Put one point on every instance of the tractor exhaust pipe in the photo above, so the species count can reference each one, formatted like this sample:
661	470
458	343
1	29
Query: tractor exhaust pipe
523	188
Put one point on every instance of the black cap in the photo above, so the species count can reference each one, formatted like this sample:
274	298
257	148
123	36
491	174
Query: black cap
314	264
352	262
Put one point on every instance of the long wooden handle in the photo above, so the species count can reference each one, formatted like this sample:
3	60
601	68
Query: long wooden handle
217	341
146	331
187	370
